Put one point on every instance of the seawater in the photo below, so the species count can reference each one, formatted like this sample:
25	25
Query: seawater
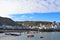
37	35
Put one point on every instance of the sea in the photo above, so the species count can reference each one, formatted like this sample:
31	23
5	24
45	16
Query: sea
37	36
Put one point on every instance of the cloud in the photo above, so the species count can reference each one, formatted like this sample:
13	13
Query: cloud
8	7
20	18
23	16
30	17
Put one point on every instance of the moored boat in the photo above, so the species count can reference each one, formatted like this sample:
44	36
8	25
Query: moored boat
30	35
13	33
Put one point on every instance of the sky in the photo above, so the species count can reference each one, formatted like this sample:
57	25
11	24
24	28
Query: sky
55	16
22	10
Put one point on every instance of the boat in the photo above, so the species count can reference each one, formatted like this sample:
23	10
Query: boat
30	35
41	37
13	33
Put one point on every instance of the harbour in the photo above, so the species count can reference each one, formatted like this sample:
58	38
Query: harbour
37	36
29	19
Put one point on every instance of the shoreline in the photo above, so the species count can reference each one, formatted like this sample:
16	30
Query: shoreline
22	30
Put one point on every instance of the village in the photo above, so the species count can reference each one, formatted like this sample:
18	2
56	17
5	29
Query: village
32	26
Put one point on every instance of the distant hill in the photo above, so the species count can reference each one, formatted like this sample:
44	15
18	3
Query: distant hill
37	23
34	23
6	21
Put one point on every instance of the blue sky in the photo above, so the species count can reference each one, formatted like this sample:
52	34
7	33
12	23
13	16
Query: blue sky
52	16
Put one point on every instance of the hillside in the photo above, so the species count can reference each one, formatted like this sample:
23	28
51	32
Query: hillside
6	21
34	23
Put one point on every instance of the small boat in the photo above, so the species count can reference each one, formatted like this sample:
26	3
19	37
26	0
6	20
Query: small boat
13	33
30	35
41	37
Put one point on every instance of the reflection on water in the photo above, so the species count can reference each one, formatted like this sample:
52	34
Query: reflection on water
37	35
